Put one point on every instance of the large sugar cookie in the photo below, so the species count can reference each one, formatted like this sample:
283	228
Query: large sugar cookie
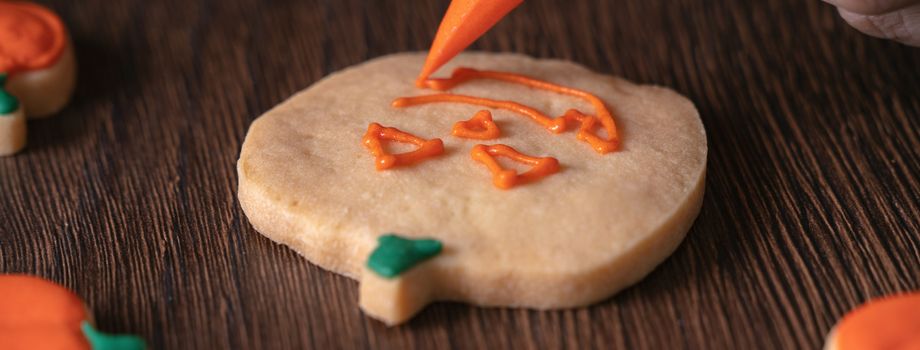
597	226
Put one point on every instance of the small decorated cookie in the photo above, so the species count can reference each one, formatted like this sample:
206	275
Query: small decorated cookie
891	322
36	53
12	122
39	314
591	182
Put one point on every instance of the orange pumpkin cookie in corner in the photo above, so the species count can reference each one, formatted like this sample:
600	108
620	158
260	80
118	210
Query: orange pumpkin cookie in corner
888	323
38	314
36	53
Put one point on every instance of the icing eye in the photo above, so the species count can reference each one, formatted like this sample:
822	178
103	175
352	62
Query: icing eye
383	160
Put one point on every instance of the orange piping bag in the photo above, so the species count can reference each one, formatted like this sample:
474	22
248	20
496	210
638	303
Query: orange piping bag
464	22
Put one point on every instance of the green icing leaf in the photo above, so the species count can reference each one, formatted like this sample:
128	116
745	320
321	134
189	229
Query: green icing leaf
394	254
8	103
102	341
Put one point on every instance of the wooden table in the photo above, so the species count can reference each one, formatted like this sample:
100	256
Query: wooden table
129	195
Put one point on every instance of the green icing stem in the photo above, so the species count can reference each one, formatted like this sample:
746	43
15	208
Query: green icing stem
394	254
101	341
8	103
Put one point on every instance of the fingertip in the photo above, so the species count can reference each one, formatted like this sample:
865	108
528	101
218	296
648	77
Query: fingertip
893	25
870	7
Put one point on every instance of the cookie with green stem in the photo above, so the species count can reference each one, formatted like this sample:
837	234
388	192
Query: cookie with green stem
37	54
39	314
12	121
592	182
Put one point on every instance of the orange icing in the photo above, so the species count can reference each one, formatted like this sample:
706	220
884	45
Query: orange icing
383	160
889	323
553	125
479	127
38	314
508	178
31	37
602	114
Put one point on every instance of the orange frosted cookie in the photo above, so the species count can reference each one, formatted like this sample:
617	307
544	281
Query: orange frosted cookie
36	53
889	323
39	314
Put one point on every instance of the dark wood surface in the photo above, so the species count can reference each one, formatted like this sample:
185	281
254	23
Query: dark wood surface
129	195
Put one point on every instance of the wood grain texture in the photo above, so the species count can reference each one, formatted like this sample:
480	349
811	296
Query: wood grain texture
129	196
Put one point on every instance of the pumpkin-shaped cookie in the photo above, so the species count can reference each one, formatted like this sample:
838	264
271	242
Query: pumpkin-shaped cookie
38	314
36	53
888	323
